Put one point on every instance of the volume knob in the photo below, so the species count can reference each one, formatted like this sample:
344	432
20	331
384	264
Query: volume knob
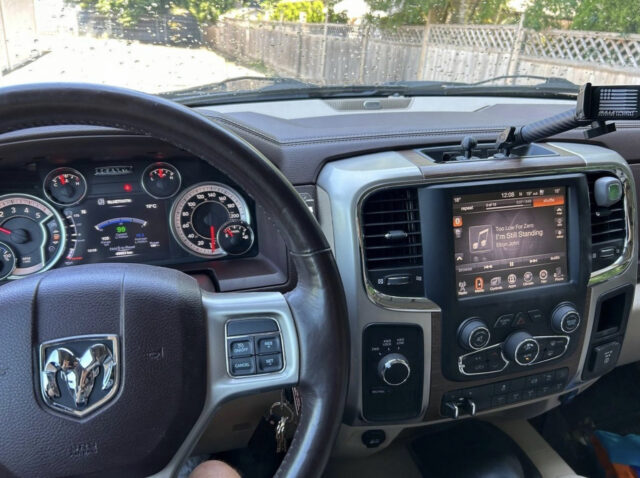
565	318
473	334
394	369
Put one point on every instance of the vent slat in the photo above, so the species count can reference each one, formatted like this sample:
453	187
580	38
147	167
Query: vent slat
391	225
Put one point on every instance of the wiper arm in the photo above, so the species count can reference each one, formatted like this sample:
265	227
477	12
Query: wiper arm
285	91
239	83
547	81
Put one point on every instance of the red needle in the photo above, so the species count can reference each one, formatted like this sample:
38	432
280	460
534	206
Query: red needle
62	179
161	173
212	230
229	232
5	231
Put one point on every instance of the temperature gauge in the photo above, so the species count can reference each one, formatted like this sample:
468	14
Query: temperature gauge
65	186
161	180
7	261
235	237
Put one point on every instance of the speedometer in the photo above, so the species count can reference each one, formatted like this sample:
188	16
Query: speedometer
199	213
33	230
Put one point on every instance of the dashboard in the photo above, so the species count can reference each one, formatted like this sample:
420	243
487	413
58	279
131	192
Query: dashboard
142	210
474	287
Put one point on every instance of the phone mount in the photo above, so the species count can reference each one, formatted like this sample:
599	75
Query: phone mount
595	106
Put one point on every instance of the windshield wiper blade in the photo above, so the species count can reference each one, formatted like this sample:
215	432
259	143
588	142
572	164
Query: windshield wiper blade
237	84
289	92
547	81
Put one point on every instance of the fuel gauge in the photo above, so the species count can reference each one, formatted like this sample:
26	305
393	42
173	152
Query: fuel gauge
161	180
235	237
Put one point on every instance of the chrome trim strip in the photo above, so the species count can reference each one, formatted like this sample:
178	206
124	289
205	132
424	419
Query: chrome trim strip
507	362
468	374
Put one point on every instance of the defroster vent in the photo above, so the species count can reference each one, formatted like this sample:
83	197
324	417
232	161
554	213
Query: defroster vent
392	242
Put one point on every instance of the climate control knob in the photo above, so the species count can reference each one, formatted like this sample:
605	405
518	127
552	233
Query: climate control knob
565	319
473	334
521	348
394	369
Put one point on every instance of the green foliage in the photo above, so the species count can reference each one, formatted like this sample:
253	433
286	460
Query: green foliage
290	11
543	14
129	11
621	16
416	12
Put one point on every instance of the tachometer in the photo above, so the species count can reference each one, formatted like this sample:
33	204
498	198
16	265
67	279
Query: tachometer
33	230
200	212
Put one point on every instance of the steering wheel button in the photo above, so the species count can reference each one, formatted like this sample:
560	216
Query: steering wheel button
269	345
241	348
242	366
270	363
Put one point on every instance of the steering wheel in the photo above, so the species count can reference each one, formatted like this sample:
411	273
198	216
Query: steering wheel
155	342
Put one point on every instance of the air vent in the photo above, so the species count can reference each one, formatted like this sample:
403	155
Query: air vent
608	229
392	242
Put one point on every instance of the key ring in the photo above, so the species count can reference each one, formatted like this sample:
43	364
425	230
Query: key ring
284	406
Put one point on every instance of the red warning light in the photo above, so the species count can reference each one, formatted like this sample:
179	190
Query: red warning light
127	187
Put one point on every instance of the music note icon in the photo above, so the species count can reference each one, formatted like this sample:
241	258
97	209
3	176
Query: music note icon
480	239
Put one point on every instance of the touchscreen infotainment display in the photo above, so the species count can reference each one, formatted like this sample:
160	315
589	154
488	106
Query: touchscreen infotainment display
509	240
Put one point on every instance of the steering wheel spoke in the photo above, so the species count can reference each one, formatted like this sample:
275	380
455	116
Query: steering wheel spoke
250	319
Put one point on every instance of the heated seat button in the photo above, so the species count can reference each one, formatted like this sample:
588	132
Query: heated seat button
241	347
242	366
270	363
269	345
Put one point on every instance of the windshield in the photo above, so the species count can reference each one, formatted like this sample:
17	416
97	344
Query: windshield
208	49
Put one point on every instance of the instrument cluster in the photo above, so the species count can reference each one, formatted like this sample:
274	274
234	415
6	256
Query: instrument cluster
147	212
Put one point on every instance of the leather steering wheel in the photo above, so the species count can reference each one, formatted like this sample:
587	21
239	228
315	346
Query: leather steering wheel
170	370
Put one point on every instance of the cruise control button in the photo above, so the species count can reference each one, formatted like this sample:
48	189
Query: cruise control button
241	348
270	363
269	345
242	366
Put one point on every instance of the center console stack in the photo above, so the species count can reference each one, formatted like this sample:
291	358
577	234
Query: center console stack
508	265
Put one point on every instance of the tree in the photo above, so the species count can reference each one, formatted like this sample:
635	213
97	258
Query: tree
415	12
129	11
622	16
